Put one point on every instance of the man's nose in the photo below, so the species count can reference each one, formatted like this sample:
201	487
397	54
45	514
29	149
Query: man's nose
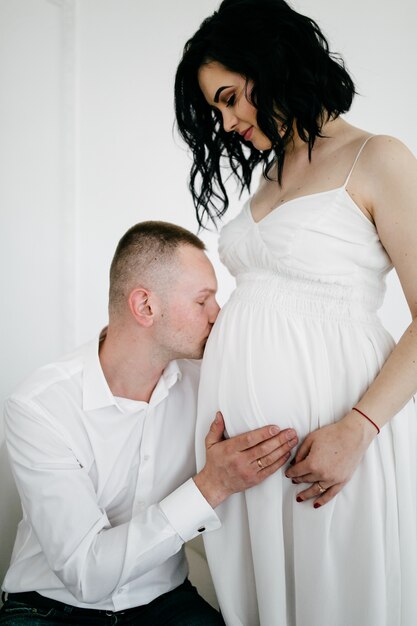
214	312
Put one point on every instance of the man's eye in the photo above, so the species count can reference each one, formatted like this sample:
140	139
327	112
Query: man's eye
230	102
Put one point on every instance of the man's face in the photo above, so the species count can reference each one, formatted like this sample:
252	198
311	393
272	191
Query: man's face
189	308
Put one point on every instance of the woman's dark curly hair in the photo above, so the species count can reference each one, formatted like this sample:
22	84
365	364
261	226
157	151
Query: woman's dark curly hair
295	79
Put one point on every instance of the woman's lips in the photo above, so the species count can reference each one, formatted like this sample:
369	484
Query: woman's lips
248	134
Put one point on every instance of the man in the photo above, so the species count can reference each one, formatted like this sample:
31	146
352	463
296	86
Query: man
102	448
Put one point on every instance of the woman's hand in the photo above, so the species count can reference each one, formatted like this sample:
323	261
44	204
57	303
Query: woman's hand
329	456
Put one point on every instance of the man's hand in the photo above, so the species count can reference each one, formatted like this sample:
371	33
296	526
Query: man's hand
243	461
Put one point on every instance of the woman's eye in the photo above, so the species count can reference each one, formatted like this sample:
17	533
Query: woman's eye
230	102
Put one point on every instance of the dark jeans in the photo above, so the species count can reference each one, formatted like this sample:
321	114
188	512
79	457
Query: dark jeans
180	607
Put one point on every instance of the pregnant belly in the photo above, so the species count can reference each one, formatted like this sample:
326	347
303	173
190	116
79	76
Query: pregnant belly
294	371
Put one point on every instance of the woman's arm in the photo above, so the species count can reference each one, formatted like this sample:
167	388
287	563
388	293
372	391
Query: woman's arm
331	454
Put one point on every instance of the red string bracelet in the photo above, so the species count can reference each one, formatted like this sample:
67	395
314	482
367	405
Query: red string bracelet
368	418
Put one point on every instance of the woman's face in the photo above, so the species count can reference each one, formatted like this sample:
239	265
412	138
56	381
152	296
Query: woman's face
227	92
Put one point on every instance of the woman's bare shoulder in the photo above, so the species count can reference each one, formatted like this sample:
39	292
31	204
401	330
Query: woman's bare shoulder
384	150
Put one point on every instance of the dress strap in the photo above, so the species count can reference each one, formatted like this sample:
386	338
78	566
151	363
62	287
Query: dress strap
355	161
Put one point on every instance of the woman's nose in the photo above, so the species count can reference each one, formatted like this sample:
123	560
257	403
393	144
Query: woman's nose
230	121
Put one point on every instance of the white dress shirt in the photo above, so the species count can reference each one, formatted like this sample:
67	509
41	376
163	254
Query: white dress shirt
105	483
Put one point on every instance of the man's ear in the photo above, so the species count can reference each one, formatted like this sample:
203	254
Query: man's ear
140	306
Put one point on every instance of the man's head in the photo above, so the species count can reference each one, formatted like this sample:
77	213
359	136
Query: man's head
161	280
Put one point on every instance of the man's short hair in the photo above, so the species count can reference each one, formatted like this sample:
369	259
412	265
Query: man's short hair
145	249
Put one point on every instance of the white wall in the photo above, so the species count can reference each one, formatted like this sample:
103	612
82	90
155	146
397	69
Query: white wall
87	149
35	207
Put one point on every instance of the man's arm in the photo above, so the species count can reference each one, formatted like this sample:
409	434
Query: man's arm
90	557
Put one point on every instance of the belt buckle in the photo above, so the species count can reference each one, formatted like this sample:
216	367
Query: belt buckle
111	613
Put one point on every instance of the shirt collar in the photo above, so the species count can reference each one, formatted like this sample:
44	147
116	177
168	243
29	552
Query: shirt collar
169	377
96	392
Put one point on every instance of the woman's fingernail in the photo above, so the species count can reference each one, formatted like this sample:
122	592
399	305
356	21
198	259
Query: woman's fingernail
299	499
274	430
291	434
317	505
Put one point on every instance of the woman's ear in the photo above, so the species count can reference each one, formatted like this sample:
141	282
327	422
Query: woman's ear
140	306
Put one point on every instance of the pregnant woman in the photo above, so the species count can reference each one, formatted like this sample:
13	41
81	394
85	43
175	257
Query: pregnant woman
332	541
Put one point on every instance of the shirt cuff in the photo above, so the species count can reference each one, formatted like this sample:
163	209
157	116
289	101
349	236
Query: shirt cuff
188	511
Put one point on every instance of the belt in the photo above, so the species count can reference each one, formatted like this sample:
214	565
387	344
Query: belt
36	601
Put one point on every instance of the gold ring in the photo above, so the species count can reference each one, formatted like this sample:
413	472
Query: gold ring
322	489
259	462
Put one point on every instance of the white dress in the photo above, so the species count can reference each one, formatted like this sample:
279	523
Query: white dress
297	344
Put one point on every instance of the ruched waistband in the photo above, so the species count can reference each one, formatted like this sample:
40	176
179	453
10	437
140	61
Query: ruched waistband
306	296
